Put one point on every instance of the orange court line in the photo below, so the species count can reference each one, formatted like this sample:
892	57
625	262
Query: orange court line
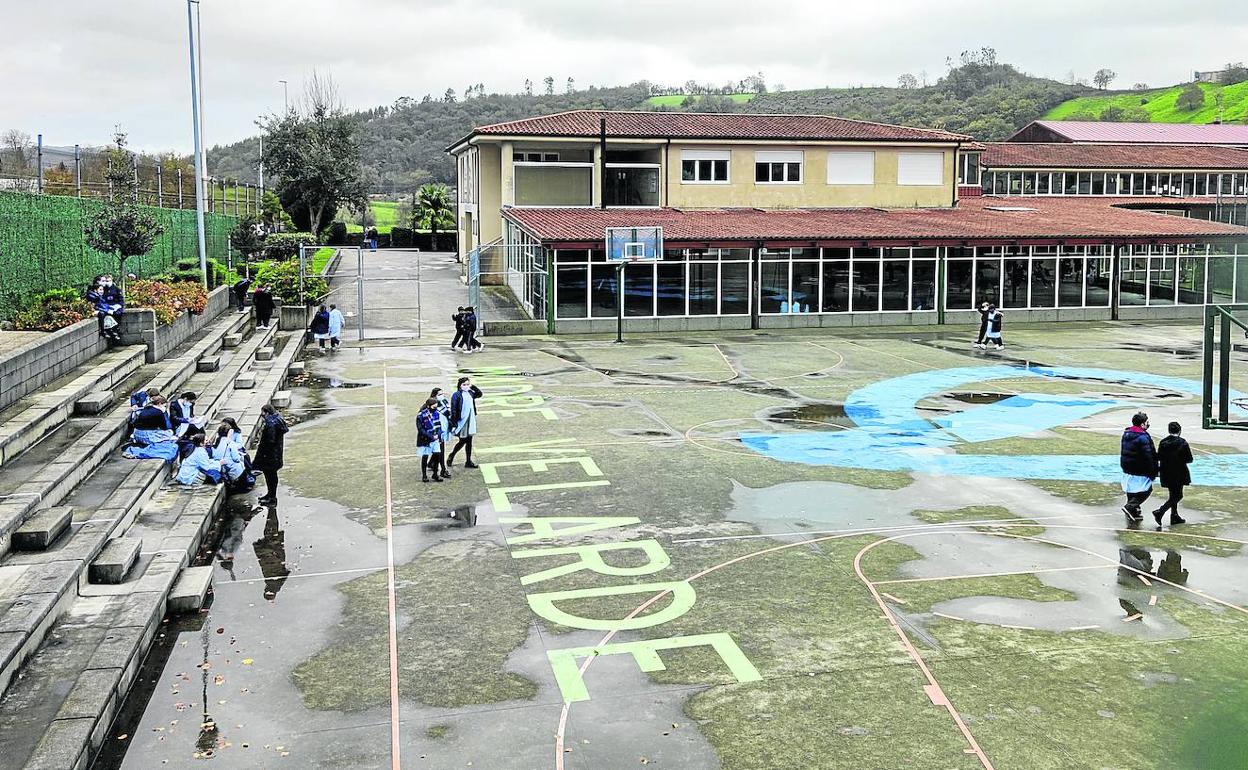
395	761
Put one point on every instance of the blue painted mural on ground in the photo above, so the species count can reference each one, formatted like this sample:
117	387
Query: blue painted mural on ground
891	435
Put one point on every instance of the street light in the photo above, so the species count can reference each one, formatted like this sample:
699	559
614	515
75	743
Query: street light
285	96
199	144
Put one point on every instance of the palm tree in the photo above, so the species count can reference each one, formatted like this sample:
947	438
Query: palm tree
433	210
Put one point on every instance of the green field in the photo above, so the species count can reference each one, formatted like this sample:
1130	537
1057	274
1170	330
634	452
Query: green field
385	214
1160	104
675	100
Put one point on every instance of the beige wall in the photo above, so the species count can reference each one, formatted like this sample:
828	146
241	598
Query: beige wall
814	191
490	165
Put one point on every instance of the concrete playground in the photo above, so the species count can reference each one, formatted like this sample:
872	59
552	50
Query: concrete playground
748	551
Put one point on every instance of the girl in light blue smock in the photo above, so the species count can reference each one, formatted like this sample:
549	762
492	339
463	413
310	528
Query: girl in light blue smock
464	420
199	467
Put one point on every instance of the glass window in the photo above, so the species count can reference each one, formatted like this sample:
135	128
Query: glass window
1111	184
866	291
1133	284
639	289
835	284
1225	184
1202	184
988	280
1098	184
1137	184
602	296
670	294
1161	281
1098	273
572	291
1042	183
1043	283
1070	282
704	165
1016	274
1071	184
923	285
896	289
1189	185
773	167
1016	183
1085	183
804	295
735	287
958	294
1191	280
773	288
1150	184
703	288
1029	183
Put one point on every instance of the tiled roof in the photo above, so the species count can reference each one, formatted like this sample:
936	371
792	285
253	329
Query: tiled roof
704	125
987	218
1164	133
1116	156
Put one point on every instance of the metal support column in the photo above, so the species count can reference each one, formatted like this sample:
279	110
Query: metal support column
160	185
359	292
1224	370
39	164
77	171
619	294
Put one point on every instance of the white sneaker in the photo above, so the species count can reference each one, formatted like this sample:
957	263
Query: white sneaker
1000	347
980	345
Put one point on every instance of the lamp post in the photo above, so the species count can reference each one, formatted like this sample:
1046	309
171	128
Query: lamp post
199	146
285	96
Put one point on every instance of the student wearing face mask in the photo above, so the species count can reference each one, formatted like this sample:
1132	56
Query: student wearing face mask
464	420
443	408
108	302
153	436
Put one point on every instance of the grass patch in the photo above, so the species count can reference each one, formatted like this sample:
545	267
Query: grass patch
321	258
453	645
979	513
385	217
677	100
1160	104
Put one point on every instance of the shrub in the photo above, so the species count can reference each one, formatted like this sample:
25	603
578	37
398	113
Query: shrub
167	299
284	278
337	234
283	246
402	237
52	310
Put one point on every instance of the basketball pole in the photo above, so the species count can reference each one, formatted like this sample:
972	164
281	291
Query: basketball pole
619	291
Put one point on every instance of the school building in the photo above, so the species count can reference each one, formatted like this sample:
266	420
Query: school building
773	221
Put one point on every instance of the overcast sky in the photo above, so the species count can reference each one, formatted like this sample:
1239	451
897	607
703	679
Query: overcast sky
72	69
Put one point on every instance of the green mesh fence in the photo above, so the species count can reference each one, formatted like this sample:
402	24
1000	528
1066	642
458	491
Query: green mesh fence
42	245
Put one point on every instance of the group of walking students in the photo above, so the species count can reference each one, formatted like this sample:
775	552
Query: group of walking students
441	419
171	431
1142	464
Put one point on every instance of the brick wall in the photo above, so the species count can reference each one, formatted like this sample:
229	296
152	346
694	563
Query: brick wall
38	363
139	327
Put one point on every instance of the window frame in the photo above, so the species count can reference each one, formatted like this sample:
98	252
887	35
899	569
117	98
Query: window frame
713	156
784	158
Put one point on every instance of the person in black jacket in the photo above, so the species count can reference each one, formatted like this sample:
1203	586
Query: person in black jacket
262	300
268	459
240	293
1173	455
983	326
320	326
1138	460
458	318
464	420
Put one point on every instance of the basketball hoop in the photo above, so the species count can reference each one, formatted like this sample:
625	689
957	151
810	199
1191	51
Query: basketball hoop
629	246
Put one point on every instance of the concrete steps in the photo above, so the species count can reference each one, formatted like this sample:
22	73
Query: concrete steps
102	631
27	421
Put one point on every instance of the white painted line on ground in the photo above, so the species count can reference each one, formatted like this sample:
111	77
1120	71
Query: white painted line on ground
291	576
395	761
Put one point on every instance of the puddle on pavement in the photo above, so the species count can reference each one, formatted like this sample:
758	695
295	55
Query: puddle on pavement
315	382
978	398
814	417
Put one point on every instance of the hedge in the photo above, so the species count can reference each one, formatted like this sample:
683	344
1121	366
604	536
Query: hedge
42	247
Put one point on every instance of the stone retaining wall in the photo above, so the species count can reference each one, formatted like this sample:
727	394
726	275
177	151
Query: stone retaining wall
34	365
139	327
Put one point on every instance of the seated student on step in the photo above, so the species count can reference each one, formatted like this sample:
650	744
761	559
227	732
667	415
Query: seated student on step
233	468
182	414
153	436
199	467
235	437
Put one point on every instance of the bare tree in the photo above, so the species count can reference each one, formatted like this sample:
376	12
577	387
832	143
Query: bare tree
15	148
907	81
550	85
1103	77
571	85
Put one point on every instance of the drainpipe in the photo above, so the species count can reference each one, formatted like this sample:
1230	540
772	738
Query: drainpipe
602	171
667	170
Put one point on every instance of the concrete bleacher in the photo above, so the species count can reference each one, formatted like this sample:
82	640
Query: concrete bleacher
105	581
